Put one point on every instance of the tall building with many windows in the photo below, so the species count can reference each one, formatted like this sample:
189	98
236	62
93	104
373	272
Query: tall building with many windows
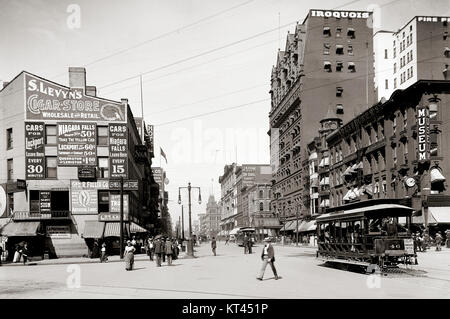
327	63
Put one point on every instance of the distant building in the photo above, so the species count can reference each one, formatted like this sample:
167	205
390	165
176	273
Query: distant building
420	50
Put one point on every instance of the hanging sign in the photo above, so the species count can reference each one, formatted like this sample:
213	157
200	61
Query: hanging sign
423	134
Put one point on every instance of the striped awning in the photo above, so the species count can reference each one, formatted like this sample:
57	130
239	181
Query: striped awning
20	229
113	229
135	228
93	229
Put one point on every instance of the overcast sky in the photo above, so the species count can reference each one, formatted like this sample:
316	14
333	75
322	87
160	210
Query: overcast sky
196	57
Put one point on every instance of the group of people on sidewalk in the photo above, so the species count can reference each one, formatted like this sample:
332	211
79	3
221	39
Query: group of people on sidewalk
159	248
21	252
423	241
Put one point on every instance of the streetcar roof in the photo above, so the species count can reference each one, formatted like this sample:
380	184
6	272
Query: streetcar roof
387	209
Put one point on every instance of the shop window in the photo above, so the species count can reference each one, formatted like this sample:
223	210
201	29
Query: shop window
10	203
10	169
103	167
51	167
9	138
102	135
34	201
339	49
339	66
103	202
59	201
50	134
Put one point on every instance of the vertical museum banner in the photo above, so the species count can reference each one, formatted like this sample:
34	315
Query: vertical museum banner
34	150
118	150
423	134
77	144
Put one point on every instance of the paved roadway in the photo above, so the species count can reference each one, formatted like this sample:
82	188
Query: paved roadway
230	274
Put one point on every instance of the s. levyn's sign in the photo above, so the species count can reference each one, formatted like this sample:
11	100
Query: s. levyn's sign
46	100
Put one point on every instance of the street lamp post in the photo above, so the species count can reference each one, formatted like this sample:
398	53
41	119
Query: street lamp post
190	251
182	222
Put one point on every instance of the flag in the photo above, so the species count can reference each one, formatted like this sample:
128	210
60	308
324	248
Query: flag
163	154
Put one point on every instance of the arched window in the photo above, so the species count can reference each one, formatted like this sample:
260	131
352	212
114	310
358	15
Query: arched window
261	206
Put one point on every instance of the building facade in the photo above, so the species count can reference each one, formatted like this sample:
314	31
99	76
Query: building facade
418	50
327	63
64	151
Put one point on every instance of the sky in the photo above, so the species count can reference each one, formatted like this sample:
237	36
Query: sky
196	58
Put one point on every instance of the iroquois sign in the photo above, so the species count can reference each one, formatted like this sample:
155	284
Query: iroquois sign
46	100
340	14
423	134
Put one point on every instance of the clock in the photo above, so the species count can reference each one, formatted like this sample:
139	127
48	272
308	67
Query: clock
410	182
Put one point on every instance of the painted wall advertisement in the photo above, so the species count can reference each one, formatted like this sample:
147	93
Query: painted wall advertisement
58	232
46	100
85	196
77	144
423	134
34	150
118	150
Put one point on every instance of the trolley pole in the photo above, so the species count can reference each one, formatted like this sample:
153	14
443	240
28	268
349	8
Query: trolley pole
121	218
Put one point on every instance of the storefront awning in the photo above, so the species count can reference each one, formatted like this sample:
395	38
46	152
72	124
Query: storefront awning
113	229
135	228
234	231
436	176
20	229
307	226
93	229
436	215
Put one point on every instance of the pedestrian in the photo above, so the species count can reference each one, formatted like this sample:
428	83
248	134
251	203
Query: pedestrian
150	248
250	244
213	245
17	255
129	256
24	253
163	250
268	257
226	240
245	242
133	241
103	257
175	249
169	251
447	234
426	240
438	240
158	251
419	241
1	254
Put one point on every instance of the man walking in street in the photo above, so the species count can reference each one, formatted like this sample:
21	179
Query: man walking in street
158	251
213	245
438	240
169	251
268	257
245	242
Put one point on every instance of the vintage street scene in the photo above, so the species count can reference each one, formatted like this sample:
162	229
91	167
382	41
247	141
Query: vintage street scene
245	149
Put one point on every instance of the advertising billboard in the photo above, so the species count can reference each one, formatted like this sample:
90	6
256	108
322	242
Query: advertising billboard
46	100
85	196
118	150
34	150
77	144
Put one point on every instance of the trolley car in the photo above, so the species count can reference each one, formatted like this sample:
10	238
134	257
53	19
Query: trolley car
376	237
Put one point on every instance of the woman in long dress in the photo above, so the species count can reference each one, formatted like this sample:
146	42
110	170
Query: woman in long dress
129	256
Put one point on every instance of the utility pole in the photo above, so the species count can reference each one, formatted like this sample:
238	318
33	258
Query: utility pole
182	221
190	251
121	218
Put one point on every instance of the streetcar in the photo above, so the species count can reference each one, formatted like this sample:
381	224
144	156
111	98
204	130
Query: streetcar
249	231
374	234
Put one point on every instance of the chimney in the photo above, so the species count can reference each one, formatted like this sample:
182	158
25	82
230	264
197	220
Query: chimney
91	90
77	78
124	101
5	83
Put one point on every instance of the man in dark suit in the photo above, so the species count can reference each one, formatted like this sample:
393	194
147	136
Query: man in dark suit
245	243
213	245
268	257
159	251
